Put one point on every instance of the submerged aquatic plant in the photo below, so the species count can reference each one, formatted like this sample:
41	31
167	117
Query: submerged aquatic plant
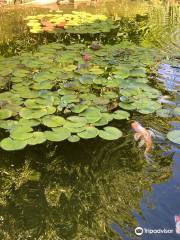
75	22
50	98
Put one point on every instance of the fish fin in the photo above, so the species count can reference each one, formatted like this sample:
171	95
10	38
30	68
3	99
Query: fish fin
137	136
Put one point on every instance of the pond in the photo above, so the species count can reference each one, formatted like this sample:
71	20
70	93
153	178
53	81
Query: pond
94	189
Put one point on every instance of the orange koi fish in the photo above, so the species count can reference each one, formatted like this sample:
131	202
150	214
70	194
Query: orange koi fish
142	134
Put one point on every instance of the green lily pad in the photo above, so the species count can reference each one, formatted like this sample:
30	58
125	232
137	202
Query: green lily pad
5	113
53	121
8	124
110	133
174	136
89	132
79	108
73	138
119	114
37	138
92	115
32	113
9	144
21	133
58	134
164	113
177	111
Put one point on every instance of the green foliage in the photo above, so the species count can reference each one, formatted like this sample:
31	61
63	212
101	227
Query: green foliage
174	136
56	95
76	22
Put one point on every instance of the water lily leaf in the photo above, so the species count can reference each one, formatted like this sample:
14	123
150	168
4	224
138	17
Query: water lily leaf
53	121
21	133
164	113
5	113
8	124
29	122
37	138
58	134
79	108
103	121
89	132
73	138
32	113
9	144
75	129
119	114
127	106
96	70
92	115
177	111
174	136
42	85
110	133
20	73
69	99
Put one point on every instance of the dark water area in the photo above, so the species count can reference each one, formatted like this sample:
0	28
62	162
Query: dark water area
97	189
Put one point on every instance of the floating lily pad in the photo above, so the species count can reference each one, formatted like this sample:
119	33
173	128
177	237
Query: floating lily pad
58	134
31	113
53	121
174	136
37	138
119	114
177	111
5	113
73	138
92	115
9	144
89	132
110	133
164	113
21	133
79	108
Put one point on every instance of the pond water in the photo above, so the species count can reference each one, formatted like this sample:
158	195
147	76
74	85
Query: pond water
96	189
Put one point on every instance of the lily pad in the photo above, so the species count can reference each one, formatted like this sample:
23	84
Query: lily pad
58	134
110	133
37	138
177	111
174	136
89	132
53	121
119	114
73	138
92	115
32	113
9	144
5	113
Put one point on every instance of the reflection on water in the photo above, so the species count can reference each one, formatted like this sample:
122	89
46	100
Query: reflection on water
78	190
83	188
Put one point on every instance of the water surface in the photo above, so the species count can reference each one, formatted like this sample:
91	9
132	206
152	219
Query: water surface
94	189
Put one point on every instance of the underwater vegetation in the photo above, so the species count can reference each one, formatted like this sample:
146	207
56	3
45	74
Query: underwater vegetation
73	92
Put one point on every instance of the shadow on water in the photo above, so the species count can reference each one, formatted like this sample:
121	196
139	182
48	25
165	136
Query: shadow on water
78	190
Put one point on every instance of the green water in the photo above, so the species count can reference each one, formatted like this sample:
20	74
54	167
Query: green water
78	190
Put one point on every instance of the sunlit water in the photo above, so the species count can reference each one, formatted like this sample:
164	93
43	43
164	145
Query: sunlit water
97	190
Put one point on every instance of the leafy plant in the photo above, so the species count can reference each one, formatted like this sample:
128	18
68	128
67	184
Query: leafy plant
57	94
76	22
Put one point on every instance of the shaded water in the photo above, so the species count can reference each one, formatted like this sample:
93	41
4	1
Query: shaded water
96	189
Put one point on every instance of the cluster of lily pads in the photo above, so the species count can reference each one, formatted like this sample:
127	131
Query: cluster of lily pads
57	93
75	22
